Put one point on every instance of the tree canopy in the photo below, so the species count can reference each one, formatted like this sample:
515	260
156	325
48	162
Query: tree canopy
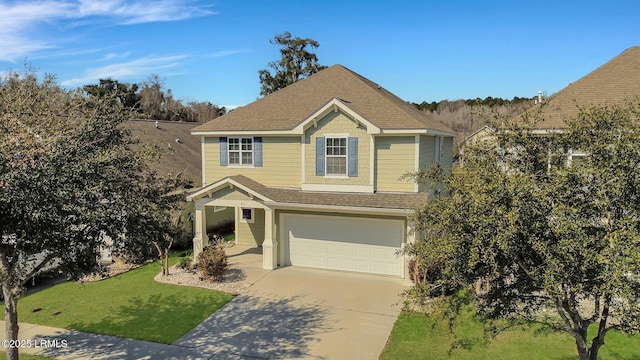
538	235
151	100
296	63
69	182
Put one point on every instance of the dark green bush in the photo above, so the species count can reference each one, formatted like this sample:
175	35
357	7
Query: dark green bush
212	263
186	262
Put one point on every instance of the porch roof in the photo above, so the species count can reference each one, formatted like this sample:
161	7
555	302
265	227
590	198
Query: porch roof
405	202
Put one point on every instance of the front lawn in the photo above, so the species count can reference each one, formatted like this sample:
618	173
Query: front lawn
130	305
419	336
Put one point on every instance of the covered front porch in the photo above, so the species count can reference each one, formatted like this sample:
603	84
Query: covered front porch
253	221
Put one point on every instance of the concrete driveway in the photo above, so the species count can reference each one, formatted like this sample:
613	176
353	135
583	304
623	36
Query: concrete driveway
297	312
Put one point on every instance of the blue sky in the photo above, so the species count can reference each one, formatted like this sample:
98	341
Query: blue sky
420	50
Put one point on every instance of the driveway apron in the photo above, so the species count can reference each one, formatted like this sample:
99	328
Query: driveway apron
297	312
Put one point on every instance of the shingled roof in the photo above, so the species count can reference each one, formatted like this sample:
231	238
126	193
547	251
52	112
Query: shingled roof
615	81
402	202
180	151
288	107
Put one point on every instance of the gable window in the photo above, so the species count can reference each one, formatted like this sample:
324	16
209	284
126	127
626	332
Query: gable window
240	151
246	215
336	155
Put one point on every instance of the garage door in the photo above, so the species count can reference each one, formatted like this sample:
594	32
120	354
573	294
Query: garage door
343	243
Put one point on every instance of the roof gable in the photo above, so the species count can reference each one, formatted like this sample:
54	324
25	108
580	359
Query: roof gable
335	105
615	81
287	108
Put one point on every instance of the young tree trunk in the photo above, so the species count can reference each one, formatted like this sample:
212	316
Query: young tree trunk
166	261
10	320
581	345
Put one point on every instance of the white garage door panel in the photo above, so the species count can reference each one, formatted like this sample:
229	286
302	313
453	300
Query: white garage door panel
343	243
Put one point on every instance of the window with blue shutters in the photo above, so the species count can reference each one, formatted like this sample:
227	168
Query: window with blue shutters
224	159
336	156
319	156
353	156
241	151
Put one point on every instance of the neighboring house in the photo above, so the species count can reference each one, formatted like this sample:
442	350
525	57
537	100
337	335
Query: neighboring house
615	81
483	137
311	173
179	150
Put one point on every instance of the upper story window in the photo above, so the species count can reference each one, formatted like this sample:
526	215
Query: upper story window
336	156
240	151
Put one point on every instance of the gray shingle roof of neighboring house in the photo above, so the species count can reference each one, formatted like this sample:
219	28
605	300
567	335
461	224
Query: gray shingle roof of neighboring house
379	200
615	81
180	150
288	107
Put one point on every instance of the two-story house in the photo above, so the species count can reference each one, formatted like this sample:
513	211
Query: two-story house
311	173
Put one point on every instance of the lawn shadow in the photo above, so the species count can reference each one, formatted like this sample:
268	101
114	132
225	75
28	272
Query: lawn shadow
265	328
245	327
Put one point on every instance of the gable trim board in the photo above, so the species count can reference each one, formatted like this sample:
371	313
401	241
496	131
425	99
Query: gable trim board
335	105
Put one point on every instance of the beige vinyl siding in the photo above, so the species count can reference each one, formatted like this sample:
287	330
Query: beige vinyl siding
251	234
280	158
395	155
447	152
427	157
337	123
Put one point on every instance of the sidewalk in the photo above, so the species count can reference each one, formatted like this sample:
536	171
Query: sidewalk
69	344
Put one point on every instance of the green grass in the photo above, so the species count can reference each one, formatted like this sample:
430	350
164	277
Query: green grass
419	336
130	305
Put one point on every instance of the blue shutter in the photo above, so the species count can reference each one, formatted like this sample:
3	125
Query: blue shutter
353	156
224	152
257	151
320	156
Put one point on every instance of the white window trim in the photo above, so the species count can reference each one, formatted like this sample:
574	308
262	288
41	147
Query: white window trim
240	151
217	208
251	220
574	154
346	156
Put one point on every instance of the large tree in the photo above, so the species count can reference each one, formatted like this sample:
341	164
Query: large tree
69	180
127	94
538	236
296	63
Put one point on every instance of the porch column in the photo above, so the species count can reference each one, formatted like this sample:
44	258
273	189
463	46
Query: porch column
200	240
270	245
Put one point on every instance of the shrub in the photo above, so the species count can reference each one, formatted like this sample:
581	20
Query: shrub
186	262
212	263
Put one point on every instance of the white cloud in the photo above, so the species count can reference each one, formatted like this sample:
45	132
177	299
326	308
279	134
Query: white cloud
131	69
229	52
19	21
